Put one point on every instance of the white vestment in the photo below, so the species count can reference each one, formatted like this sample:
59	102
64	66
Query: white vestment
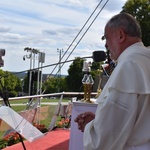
123	114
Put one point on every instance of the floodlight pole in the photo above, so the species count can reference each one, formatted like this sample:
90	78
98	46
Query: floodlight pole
41	60
59	67
30	74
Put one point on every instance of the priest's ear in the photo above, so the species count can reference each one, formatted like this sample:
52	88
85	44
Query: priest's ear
122	36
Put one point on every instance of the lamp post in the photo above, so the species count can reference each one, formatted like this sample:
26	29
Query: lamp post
41	60
60	51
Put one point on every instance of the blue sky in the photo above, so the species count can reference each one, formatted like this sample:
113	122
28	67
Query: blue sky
48	25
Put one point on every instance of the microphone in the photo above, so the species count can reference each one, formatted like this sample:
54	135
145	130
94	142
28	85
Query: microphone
99	56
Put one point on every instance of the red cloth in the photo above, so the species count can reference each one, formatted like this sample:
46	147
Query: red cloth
53	140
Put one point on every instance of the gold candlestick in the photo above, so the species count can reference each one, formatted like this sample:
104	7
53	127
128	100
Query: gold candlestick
87	93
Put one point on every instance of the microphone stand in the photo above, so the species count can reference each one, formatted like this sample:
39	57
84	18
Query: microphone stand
6	102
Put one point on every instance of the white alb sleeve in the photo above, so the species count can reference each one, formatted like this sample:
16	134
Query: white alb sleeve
113	122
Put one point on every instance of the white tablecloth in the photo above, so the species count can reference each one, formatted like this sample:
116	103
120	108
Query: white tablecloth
76	136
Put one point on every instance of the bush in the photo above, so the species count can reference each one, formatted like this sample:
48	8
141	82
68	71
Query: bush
12	94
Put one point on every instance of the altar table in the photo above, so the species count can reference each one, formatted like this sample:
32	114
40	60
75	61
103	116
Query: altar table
76	136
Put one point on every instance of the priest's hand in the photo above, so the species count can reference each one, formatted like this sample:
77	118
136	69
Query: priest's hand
83	119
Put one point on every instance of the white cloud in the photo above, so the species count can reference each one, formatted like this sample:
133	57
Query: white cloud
4	29
47	25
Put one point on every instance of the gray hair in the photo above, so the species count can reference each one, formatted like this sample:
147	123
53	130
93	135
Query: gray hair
127	22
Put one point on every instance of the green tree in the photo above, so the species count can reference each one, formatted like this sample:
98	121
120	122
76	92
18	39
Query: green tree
75	75
25	83
51	85
10	83
1	81
33	85
140	9
95	66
